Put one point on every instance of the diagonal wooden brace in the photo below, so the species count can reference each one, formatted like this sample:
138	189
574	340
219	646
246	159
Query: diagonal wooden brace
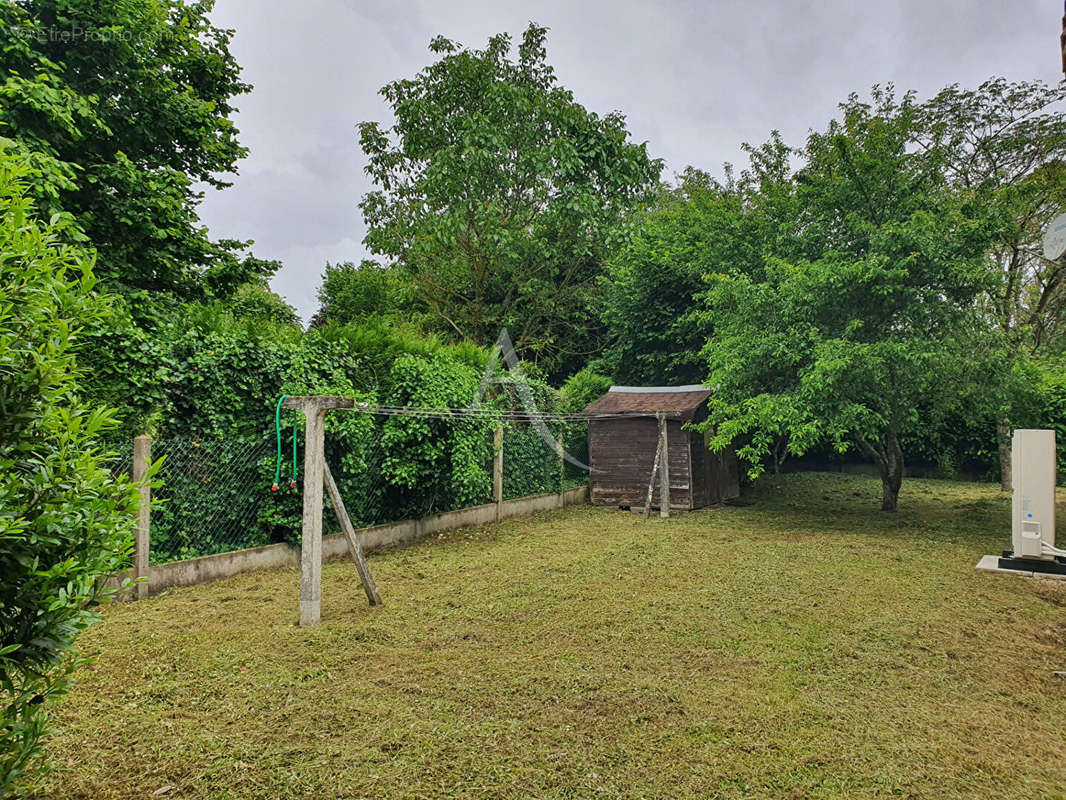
354	547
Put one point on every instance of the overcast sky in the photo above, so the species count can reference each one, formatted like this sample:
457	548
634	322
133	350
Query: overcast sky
694	79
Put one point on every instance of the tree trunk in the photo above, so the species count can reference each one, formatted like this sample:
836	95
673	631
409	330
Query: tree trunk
780	453
891	467
1003	437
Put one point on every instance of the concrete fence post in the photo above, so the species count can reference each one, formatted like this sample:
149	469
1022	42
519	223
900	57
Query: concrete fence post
142	459
311	541
314	409
497	469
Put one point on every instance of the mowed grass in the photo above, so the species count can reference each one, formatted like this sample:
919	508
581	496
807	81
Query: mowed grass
805	645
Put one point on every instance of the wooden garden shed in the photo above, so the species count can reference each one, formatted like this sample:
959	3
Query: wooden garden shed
622	449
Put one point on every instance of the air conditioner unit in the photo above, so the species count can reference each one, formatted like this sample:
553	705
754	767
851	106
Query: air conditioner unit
1033	505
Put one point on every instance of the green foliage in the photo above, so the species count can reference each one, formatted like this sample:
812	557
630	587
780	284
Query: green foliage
201	373
501	196
63	520
850	347
380	342
1052	411
124	120
582	388
209	377
1006	142
362	293
254	302
530	464
436	464
655	328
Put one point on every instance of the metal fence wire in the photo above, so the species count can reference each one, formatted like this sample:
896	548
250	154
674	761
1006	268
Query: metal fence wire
393	470
532	462
121	463
216	497
212	499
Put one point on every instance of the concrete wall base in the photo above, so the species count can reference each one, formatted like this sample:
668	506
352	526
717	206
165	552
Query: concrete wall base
195	571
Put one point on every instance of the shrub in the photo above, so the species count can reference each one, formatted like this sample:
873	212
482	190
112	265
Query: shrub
582	388
64	520
436	464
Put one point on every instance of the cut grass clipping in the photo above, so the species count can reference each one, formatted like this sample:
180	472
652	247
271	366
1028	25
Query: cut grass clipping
805	645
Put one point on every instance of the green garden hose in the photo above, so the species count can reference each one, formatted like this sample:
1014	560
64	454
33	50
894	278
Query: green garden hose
277	461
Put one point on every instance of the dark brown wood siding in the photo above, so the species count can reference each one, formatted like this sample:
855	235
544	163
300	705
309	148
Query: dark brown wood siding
699	470
621	454
722	474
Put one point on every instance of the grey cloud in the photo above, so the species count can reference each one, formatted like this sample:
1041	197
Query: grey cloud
694	79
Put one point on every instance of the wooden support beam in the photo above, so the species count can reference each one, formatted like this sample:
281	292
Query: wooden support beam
654	471
354	547
664	471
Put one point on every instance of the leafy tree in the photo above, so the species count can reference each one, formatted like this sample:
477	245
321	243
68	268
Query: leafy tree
64	521
125	106
582	388
1006	143
653	316
851	346
351	293
501	197
254	302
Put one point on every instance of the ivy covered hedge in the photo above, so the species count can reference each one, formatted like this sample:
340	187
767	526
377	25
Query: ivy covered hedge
204	387
530	464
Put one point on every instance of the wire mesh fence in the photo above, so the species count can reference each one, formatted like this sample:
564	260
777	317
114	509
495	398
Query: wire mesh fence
532	462
575	438
541	458
217	495
121	463
392	468
212	499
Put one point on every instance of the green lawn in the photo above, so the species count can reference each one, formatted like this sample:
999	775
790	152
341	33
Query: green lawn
805	645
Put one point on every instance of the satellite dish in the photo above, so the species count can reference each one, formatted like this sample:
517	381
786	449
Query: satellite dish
1055	238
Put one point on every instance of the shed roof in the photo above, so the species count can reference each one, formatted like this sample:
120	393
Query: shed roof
683	400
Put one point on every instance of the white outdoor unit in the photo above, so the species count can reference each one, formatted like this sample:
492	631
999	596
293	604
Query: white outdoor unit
1033	507
1033	474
